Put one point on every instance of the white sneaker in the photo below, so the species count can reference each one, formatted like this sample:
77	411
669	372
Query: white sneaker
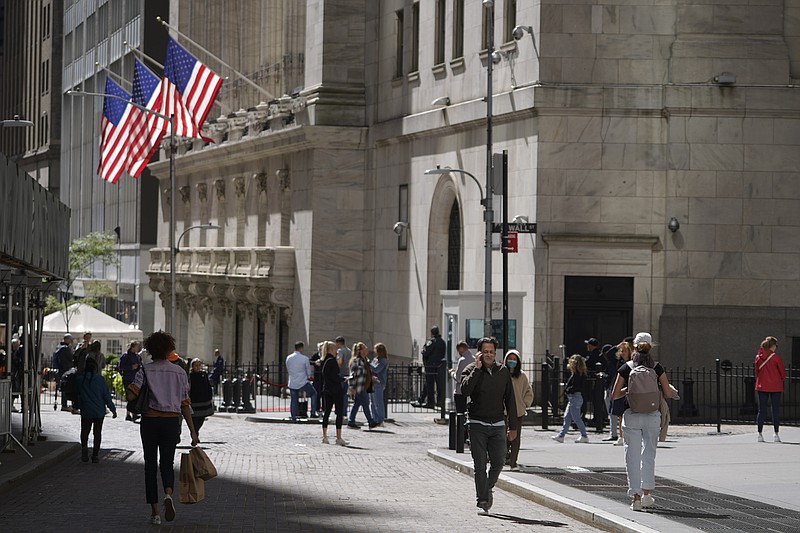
155	520
636	505
620	442
582	440
760	437
648	501
557	438
776	438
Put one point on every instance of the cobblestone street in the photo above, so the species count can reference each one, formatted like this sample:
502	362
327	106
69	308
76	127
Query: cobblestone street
272	477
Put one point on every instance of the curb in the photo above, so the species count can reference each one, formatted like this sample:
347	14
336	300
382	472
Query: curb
36	465
572	508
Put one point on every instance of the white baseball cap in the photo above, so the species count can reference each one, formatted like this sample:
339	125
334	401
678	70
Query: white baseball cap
643	336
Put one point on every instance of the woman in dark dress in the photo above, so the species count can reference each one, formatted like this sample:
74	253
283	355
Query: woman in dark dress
201	394
331	392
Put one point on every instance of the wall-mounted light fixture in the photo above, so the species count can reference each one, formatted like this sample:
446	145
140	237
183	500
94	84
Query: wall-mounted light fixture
519	218
400	227
725	79
673	225
442	100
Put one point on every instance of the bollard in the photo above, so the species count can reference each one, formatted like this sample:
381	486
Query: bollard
227	394
453	423
545	394
247	394
237	394
688	407
460	432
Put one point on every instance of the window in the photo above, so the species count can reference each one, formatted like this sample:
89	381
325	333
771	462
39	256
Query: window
454	249
402	216
44	130
399	50
438	54
45	23
44	76
488	15
510	20
415	37
475	332
458	29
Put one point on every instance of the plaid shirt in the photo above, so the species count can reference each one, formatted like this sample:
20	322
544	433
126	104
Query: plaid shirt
358	375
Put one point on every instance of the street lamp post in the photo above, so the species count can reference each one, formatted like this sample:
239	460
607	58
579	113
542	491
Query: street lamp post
488	218
172	149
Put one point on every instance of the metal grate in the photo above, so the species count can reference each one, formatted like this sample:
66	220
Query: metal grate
699	508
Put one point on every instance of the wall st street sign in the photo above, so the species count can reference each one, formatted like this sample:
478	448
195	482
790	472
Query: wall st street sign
518	227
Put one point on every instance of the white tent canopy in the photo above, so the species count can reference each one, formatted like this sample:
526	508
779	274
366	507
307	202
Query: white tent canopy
113	335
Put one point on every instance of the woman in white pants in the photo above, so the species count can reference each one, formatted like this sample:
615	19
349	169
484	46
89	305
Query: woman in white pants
641	429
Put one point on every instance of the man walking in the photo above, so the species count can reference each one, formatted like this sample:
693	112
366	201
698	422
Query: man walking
433	357
299	369
488	385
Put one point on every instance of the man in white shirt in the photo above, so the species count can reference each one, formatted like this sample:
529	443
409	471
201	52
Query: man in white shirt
298	366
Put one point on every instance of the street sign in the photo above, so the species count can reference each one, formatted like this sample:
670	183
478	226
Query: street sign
519	227
512	243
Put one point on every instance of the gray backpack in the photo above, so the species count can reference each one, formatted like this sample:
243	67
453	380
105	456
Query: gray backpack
642	391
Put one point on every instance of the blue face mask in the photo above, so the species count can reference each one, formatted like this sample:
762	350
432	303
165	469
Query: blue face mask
511	364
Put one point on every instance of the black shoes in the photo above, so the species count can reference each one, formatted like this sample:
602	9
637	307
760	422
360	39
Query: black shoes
85	454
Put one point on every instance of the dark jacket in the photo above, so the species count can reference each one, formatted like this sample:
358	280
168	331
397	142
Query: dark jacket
126	366
62	359
331	379
491	394
201	394
595	362
94	395
433	353
574	384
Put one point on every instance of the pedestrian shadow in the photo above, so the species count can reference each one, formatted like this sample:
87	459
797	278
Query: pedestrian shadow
525	521
687	514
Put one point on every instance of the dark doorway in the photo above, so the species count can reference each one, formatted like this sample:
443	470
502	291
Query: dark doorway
596	306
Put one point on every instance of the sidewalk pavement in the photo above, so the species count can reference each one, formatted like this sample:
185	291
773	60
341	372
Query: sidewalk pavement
748	477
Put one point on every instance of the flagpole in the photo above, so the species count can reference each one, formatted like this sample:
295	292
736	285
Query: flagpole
119	78
172	149
238	74
142	54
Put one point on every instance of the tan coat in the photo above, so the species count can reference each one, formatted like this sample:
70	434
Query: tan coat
523	394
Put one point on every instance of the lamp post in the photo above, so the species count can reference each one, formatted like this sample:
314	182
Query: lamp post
488	218
206	226
16	122
172	148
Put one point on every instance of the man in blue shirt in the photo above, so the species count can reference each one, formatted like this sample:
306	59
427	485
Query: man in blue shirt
298	366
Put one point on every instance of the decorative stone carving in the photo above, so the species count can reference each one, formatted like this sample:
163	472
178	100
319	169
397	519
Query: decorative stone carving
261	180
219	186
202	192
239	184
284	179
268	313
186	193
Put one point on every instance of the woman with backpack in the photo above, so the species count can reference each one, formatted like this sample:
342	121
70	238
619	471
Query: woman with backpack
639	381
94	397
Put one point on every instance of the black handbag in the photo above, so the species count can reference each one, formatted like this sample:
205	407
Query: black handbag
141	404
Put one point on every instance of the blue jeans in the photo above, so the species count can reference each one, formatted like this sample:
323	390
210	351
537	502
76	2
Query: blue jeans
774	399
361	400
378	410
641	440
308	388
573	414
487	442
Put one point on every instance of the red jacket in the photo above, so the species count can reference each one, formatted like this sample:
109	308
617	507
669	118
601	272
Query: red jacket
770	376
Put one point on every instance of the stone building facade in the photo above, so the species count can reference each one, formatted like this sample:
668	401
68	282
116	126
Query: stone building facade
617	117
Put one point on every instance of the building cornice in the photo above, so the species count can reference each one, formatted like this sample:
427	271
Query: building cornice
621	240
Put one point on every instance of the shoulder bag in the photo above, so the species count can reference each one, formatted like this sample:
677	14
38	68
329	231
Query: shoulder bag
141	404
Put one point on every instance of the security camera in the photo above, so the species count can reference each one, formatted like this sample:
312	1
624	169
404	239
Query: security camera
399	227
497	57
488	3
519	32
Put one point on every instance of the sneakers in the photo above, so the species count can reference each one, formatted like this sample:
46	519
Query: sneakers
352	425
169	509
636	505
341	442
610	438
776	438
582	440
85	455
760	437
620	442
373	425
557	438
128	418
484	507
325	440
155	520
648	500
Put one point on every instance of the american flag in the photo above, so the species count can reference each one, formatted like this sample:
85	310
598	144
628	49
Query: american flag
186	80
147	129
115	136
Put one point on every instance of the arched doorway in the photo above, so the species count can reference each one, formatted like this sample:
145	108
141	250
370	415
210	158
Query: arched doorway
445	247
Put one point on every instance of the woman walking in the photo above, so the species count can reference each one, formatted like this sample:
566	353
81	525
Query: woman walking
201	395
168	388
380	373
95	396
331	392
577	368
129	365
360	382
641	428
770	374
523	394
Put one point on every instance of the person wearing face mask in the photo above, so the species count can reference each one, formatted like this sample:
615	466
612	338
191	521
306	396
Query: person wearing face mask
523	394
